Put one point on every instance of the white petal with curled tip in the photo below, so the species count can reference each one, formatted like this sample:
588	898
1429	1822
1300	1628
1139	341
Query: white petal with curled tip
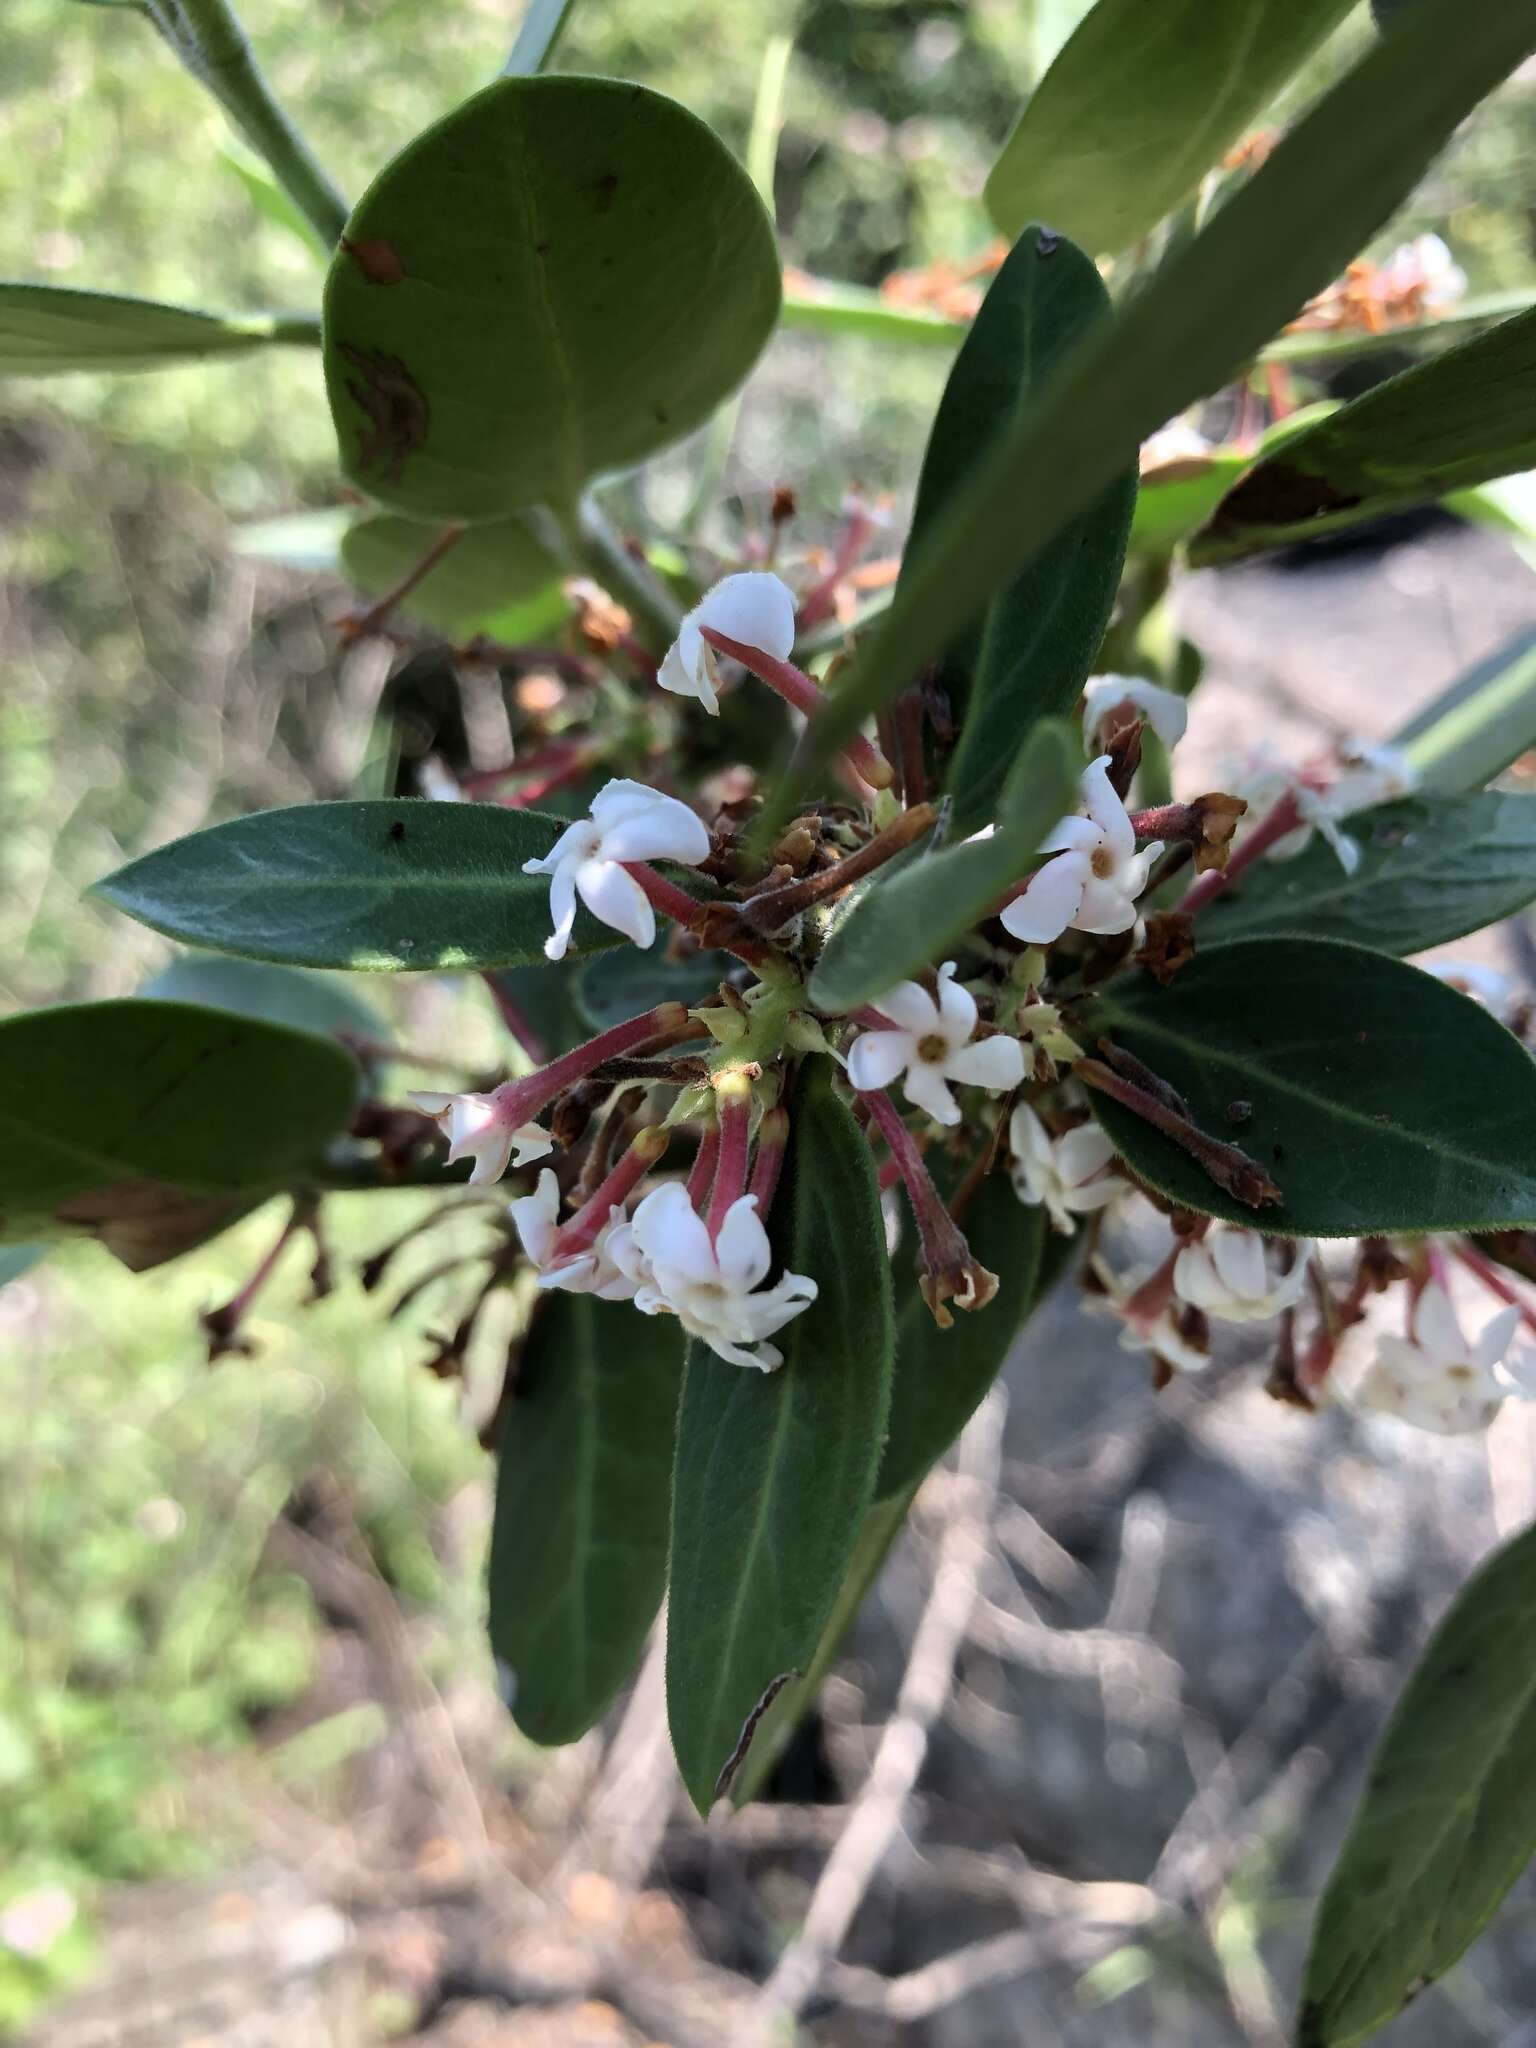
562	909
957	1007
1436	1329
995	1063
649	825
924	1085
577	842
741	1248
687	667
1072	835
1238	1257
672	1235
1164	711
1081	1153
1106	909
534	1217
617	899
910	1008
1102	803
1051	902
877	1057
754	607
530	1142
1496	1339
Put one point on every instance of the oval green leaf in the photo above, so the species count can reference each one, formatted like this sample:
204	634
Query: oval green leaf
1431	869
941	1376
583	1496
498	579
1140	104
151	1125
623	983
775	1470
1463	417
905	918
281	995
46	329
1026	656
560	277
1214	301
1376	1097
382	886
1447	1821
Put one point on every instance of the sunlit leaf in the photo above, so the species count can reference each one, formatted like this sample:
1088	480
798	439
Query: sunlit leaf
498	579
558	278
374	885
49	328
1140	104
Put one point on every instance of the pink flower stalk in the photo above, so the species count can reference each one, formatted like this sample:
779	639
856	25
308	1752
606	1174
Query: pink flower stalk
577	1236
733	1108
701	1175
797	689
949	1269
489	1128
772	1141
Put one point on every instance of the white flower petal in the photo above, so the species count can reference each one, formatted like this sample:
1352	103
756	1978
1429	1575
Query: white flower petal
1165	712
754	607
562	911
617	899
995	1063
1102	803
741	1250
957	1007
1435	1326
534	1216
1050	903
877	1057
910	1008
924	1086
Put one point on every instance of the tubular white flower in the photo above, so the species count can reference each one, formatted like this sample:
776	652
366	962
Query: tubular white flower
1093	883
1435	1378
1227	1275
476	1129
629	821
929	1045
1372	775
754	607
1066	1174
714	1289
1177	1338
1103	696
536	1218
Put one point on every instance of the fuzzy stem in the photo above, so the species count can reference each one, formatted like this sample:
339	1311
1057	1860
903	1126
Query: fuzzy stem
733	1106
663	895
513	1018
772	1139
820	600
579	1234
701	1175
1494	1281
949	1269
517	1101
797	688
1226	1165
208	38
382	610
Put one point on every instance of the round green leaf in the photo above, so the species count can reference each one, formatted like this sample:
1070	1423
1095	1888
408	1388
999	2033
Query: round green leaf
557	279
150	1125
373	884
497	579
49	328
1377	1098
583	1500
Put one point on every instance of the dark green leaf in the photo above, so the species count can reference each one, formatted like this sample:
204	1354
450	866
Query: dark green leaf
1430	870
1482	723
560	277
281	995
1328	186
498	579
775	1470
1447	1821
905	919
374	885
151	1125
1140	104
1028	653
583	1494
48	328
941	1376
544	993
1464	416
623	983
1380	1099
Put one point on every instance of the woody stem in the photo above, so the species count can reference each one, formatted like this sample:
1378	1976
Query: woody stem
797	688
943	1243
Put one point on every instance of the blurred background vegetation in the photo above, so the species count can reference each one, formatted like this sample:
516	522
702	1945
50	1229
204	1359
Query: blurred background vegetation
154	1654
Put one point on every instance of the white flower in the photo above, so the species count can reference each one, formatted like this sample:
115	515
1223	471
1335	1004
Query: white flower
1093	883
1065	1173
1181	1348
1227	1275
1426	270
536	1218
1103	696
475	1128
1372	775
753	607
1436	1379
708	1286
930	1046
628	822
